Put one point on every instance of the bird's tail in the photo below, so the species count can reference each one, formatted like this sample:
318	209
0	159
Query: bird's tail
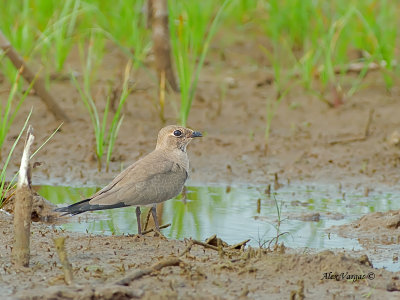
76	208
83	206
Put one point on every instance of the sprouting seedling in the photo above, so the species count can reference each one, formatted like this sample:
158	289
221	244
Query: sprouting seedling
104	137
57	37
261	239
277	226
191	34
118	118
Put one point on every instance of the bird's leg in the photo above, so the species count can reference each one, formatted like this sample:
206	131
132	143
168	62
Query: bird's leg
139	226
157	230
154	214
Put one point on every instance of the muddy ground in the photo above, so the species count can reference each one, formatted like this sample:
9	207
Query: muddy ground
310	142
101	261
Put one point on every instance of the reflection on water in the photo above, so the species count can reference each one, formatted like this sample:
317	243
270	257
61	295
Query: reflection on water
232	214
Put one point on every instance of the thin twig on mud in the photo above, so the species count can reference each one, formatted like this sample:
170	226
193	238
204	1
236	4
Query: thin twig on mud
239	245
147	219
140	273
62	254
152	229
147	222
360	138
206	245
196	242
188	248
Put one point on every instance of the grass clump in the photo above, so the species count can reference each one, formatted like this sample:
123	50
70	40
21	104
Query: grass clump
105	137
192	26
58	37
325	39
122	22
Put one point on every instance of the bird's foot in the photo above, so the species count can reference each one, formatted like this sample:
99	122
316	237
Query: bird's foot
133	235
157	233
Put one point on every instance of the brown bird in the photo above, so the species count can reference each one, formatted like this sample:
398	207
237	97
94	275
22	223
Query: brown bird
155	178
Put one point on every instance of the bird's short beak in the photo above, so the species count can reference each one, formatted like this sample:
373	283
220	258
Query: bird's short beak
196	134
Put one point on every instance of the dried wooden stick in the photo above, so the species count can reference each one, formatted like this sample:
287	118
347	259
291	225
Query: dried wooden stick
239	245
221	249
62	255
205	245
221	252
23	207
140	273
38	84
151	222
188	248
146	224
211	238
161	40
152	229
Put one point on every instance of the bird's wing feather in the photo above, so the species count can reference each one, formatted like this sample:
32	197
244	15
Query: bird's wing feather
135	171
150	180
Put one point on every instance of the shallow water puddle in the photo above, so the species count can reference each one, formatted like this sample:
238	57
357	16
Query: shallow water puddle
239	213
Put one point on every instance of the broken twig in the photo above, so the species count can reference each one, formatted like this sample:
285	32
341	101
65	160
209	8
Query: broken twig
205	245
140	273
152	229
23	207
188	248
221	247
62	255
239	245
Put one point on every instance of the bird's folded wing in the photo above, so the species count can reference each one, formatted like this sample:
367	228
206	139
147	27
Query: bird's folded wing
145	182
153	163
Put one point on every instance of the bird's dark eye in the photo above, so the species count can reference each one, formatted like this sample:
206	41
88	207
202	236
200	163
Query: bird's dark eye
177	133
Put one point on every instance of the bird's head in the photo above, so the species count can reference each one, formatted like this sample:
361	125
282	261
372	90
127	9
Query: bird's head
175	137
